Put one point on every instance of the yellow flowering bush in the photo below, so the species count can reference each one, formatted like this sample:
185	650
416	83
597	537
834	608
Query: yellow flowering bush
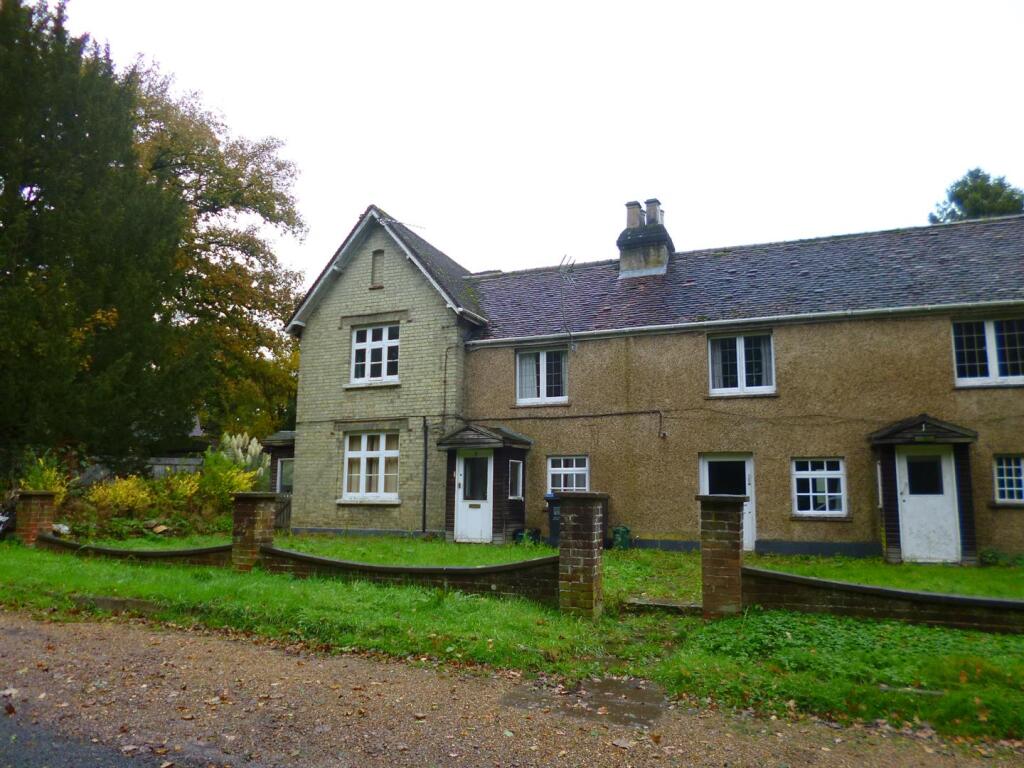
129	496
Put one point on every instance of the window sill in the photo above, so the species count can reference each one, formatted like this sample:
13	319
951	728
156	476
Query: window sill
1018	505
822	518
368	502
989	385
735	395
543	404
376	287
371	384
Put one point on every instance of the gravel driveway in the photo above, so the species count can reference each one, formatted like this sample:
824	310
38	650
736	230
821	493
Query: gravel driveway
201	699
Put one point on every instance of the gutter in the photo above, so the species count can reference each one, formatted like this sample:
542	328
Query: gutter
811	317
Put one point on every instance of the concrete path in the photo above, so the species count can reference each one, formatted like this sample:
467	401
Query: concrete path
175	698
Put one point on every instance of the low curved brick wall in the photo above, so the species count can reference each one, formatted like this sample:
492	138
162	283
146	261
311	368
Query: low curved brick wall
536	579
216	556
785	591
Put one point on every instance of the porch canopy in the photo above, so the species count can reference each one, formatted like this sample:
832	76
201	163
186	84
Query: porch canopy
477	436
922	429
935	521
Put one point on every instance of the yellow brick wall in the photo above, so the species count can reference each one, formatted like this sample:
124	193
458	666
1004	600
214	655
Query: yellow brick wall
430	371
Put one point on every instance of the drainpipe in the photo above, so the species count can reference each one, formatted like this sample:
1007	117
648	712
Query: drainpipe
425	441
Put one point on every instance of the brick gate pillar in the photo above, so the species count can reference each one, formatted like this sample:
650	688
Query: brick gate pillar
34	515
721	554
253	527
579	555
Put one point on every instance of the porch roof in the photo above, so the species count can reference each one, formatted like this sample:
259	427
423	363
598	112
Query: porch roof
479	436
922	429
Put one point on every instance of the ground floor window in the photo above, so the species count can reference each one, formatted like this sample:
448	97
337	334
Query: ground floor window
568	473
515	479
284	475
371	466
819	487
1009	472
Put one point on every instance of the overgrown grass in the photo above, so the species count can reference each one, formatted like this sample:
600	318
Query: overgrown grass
153	541
989	581
774	662
643	572
392	550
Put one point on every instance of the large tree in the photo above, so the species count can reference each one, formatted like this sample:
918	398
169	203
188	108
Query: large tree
88	252
978	196
138	285
236	292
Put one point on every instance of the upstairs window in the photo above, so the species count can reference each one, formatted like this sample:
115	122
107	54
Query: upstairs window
542	377
375	354
819	487
568	473
1009	471
741	365
989	352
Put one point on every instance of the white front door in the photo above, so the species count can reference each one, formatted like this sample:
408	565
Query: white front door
474	478
929	522
732	474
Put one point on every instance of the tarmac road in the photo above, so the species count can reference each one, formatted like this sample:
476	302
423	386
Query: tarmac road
23	745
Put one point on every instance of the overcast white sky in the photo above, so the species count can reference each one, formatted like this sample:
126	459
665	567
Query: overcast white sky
513	133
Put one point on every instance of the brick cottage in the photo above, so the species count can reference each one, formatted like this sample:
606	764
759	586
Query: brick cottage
866	391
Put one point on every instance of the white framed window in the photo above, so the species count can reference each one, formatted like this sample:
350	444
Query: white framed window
371	467
542	377
819	487
987	352
741	365
285	469
515	479
375	354
1009	479
568	473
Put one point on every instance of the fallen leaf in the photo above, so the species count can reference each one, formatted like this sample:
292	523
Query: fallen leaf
623	743
9	708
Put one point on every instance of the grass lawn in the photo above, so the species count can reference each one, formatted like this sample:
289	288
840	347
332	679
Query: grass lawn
774	662
988	581
646	572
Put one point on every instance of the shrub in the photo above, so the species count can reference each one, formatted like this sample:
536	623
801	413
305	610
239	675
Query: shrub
247	454
123	496
221	478
176	491
45	473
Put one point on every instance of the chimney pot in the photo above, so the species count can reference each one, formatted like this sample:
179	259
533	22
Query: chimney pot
654	213
634	215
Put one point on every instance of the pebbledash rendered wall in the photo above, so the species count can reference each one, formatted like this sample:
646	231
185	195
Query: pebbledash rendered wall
430	389
639	408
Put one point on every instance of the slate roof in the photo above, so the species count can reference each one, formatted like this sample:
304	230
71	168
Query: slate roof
968	262
449	274
479	436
